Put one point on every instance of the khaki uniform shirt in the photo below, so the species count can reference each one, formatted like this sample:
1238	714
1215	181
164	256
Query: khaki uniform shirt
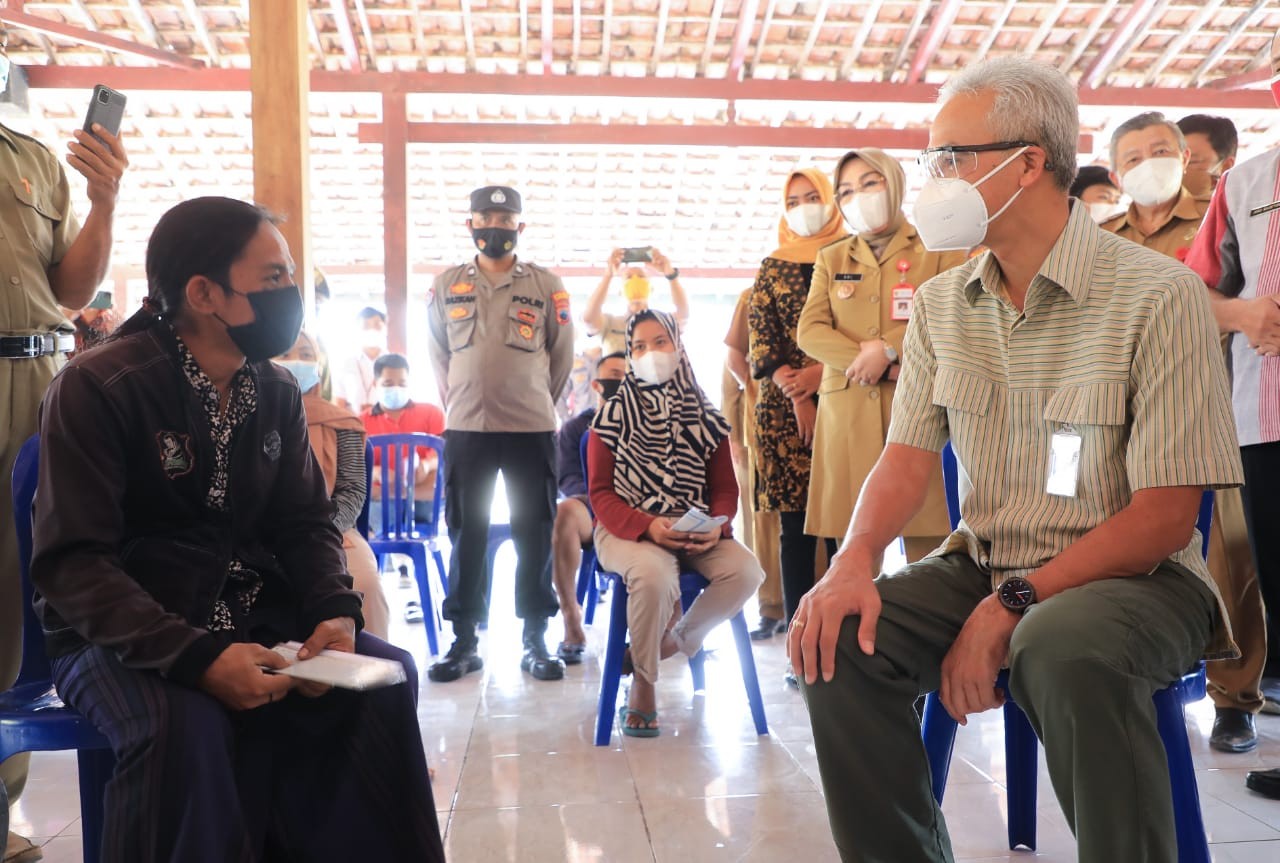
502	350
37	226
1173	238
613	334
1116	343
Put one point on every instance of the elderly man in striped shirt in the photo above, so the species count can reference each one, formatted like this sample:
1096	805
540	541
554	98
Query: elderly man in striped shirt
1079	379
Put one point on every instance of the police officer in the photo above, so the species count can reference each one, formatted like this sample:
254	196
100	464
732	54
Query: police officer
502	346
46	260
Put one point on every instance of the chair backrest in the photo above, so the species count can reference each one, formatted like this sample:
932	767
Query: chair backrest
35	664
951	484
582	454
395	457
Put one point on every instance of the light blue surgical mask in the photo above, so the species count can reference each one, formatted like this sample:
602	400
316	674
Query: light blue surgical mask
306	373
393	398
4	73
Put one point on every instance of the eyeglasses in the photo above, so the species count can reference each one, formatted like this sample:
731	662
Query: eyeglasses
948	163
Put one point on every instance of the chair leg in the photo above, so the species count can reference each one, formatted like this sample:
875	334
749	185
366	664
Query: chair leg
96	767
697	662
593	599
418	554
442	570
1193	847
612	671
939	732
750	680
585	570
1021	758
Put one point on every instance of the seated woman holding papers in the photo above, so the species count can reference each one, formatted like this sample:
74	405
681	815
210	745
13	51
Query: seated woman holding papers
657	450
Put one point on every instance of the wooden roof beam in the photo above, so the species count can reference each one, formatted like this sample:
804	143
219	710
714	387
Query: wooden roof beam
1133	24
1224	44
741	36
81	36
943	16
346	35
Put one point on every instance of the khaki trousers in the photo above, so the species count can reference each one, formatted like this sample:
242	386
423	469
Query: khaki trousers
363	567
652	576
22	386
1236	683
1083	666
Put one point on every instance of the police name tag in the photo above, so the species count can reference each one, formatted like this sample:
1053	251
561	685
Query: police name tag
1064	463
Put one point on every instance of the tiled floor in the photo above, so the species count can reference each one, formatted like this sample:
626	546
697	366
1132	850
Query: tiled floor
517	778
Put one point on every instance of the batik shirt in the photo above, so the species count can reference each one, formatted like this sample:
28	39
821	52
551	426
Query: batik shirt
243	585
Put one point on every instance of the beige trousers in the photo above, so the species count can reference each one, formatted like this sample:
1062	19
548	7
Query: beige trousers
363	567
1236	683
22	386
652	577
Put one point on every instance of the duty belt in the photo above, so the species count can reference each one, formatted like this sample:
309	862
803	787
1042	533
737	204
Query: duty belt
30	347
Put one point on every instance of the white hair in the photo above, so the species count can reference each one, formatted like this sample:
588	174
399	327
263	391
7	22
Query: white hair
1034	102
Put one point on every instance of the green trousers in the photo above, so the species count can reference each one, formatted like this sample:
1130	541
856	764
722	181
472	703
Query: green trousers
1083	666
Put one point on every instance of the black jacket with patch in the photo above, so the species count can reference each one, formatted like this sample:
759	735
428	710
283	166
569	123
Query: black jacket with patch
128	556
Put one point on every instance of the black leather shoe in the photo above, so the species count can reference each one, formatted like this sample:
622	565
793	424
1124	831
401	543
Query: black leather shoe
461	659
767	629
1233	731
1265	782
539	663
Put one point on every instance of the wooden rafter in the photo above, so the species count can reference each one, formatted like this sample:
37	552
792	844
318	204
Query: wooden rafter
659	35
819	16
860	39
943	16
1226	42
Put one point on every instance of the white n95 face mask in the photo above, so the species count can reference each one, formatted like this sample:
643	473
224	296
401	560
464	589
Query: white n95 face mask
1153	181
656	367
808	219
1102	211
866	211
950	214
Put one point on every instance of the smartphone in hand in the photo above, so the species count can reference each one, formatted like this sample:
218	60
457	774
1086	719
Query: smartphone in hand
106	108
637	254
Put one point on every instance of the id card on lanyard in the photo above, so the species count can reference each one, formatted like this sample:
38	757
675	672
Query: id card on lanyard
1064	462
902	294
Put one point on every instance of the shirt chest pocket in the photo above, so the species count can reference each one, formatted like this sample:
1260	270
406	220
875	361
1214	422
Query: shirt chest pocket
1099	414
39	218
967	399
460	323
525	327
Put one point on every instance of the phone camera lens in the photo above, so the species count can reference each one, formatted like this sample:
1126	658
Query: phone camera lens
103	97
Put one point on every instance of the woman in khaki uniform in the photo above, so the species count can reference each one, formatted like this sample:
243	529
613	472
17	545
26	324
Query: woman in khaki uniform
853	322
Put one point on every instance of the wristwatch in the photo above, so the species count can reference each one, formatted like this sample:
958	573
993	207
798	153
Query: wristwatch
675	274
1016	594
890	353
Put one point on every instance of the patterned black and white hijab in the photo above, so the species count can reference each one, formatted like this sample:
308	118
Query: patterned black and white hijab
661	435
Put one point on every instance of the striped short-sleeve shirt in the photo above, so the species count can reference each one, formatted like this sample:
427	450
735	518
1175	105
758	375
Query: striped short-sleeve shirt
1115	343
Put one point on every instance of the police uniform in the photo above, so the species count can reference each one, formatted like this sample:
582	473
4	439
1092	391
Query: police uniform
502	347
37	227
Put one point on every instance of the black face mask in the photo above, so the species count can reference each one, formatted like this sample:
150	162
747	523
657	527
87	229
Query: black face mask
277	320
495	243
609	387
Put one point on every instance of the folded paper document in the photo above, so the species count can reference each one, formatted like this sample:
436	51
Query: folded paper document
343	670
697	521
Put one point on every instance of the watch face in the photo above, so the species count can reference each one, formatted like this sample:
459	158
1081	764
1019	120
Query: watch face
1017	593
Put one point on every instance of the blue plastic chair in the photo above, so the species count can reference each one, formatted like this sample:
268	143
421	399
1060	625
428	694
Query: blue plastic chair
1021	746
32	718
399	532
691	584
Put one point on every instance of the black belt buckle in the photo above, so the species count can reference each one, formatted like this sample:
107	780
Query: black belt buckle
31	347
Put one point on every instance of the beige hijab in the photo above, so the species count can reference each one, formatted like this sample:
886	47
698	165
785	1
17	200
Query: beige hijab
895	185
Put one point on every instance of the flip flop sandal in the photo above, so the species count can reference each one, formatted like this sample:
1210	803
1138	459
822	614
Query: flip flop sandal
413	612
571	654
646	730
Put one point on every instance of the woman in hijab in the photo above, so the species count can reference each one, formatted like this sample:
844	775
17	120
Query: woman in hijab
657	450
853	322
786	409
337	440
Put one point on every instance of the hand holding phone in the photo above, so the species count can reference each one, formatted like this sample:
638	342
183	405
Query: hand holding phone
100	157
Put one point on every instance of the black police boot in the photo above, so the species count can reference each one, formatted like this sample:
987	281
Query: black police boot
536	660
462	657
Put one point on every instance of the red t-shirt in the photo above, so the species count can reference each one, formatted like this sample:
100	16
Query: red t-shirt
414	417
